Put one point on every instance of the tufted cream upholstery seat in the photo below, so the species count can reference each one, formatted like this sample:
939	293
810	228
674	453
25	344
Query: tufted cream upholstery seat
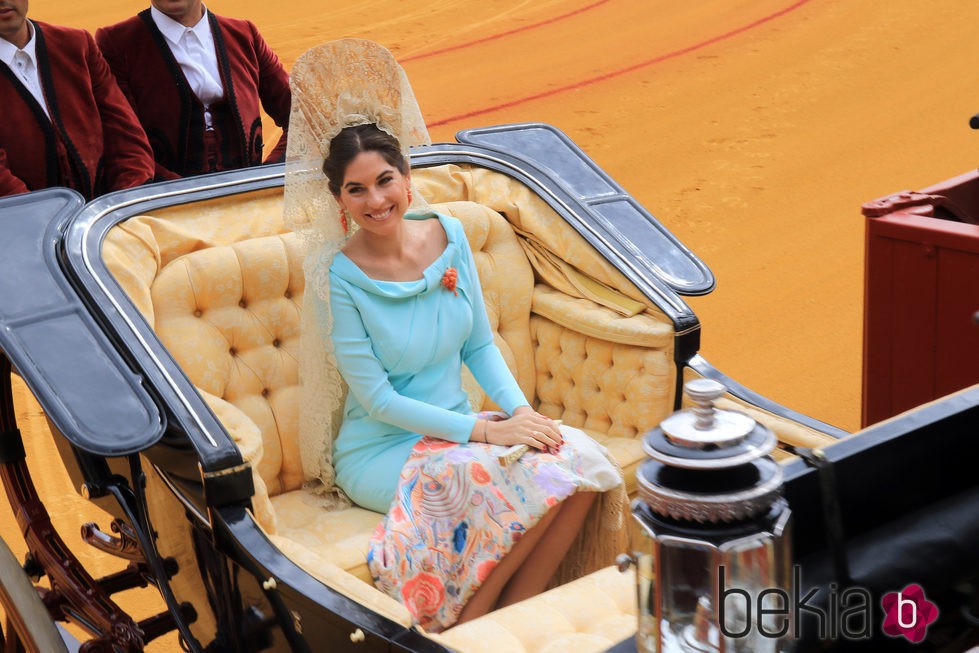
222	285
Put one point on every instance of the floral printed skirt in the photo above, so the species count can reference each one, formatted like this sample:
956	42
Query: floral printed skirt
457	511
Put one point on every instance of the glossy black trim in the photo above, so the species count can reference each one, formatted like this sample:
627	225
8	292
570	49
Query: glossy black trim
53	341
908	499
891	469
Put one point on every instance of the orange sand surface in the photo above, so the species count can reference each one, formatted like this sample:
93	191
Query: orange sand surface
753	129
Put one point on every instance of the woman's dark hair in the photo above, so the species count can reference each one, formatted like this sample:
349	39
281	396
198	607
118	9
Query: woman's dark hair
353	140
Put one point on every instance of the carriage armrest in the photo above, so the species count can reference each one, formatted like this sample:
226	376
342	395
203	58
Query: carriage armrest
589	318
792	428
248	438
789	433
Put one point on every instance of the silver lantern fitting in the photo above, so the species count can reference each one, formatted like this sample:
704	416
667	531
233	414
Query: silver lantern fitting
714	533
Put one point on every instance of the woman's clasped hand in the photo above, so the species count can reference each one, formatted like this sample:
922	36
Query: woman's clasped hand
526	426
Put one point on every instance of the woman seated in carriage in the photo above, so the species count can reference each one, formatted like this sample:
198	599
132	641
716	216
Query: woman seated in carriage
480	509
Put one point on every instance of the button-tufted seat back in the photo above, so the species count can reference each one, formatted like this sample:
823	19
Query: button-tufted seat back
230	316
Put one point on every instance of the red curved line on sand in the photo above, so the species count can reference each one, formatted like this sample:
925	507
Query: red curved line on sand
517	30
623	71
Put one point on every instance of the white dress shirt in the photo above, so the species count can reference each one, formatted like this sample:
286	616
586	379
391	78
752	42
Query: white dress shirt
193	48
23	61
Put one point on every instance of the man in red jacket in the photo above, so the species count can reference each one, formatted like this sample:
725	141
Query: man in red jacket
64	120
197	82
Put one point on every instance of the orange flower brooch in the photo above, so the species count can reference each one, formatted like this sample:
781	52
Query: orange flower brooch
449	280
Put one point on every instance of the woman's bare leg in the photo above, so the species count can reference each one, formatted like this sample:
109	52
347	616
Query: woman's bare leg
486	596
530	564
536	570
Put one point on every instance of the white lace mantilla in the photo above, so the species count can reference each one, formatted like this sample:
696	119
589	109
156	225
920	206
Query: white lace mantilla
334	85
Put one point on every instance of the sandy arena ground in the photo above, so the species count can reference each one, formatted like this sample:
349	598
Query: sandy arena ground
753	129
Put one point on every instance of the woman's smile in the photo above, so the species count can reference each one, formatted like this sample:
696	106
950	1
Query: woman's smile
379	216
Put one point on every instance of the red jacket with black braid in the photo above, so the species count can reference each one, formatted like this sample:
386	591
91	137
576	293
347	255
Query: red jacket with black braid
92	141
173	117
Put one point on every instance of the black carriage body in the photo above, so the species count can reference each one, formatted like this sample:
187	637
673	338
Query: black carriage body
81	345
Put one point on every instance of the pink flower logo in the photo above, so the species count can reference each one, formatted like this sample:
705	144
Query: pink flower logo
908	613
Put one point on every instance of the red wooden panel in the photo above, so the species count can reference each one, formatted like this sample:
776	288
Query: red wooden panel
922	289
957	341
878	292
913	317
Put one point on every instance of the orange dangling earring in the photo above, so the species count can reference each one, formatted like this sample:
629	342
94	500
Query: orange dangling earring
409	196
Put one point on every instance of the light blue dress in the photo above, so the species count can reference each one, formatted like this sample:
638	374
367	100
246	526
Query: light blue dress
400	347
